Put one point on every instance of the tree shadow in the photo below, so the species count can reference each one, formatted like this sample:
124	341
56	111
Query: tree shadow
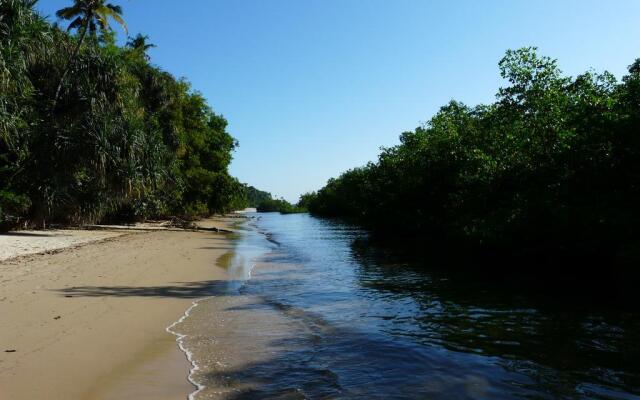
215	248
180	290
34	234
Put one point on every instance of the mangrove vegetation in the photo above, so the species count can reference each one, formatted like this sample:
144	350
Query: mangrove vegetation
551	168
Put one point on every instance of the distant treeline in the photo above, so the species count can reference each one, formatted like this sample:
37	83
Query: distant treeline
264	202
280	205
255	197
90	130
553	166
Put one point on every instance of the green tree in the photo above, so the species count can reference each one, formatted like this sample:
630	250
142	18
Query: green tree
140	43
87	16
549	169
127	140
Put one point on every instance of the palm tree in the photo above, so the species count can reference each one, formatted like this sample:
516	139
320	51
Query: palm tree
87	16
140	43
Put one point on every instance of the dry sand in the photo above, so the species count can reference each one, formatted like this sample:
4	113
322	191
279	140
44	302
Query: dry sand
15	244
89	322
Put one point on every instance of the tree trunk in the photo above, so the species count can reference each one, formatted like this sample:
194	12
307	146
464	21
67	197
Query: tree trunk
75	53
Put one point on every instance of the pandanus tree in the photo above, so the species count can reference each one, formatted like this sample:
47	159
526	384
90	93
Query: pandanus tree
87	16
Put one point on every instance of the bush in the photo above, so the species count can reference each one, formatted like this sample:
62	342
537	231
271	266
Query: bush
551	166
282	206
123	138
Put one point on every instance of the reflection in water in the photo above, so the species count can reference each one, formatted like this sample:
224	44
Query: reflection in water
320	318
240	262
568	348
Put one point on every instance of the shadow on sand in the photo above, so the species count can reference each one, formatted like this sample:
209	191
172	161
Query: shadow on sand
43	234
181	290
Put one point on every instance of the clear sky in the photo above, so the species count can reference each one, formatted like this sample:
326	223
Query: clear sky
314	87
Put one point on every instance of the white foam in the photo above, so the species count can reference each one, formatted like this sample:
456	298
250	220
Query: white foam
246	268
180	339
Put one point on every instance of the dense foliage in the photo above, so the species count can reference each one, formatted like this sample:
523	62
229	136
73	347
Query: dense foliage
256	196
553	164
264	202
91	130
279	205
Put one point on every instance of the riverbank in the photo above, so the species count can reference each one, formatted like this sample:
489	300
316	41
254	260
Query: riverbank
90	322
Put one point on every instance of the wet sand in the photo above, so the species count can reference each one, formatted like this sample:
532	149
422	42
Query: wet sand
89	322
233	339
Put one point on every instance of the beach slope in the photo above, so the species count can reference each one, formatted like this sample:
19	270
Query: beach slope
89	322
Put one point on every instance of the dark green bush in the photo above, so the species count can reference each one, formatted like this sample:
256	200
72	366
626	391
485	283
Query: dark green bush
121	138
553	165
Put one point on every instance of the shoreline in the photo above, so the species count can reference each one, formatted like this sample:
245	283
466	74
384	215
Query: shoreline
25	243
94	321
179	339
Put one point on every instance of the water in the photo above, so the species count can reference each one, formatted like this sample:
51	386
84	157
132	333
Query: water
311	316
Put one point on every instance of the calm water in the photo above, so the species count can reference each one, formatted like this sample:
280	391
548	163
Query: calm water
330	320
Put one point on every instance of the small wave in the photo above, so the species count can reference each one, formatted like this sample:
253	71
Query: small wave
239	263
180	340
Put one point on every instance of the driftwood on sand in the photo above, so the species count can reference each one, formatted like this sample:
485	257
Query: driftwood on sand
174	224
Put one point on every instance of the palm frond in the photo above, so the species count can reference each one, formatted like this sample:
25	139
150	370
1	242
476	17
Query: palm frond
69	12
115	9
109	11
102	20
75	24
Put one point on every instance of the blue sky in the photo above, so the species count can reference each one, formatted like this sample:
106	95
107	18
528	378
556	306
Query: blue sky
314	87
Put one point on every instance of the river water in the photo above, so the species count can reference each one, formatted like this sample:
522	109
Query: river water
310	315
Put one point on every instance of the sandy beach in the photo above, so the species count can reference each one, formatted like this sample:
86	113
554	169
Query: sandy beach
89	321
